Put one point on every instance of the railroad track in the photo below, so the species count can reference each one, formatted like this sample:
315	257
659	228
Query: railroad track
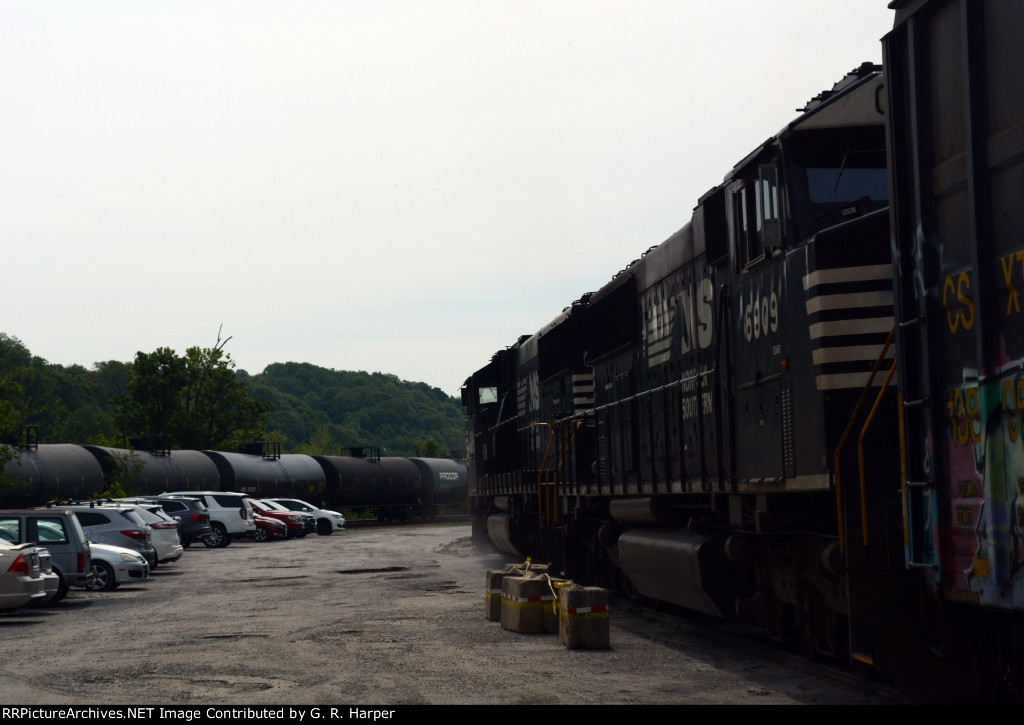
754	639
366	523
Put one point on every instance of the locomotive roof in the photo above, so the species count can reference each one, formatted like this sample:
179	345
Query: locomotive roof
841	105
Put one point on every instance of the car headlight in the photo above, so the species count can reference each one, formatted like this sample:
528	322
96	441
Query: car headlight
125	556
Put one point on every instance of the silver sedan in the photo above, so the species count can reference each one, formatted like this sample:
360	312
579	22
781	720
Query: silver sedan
113	566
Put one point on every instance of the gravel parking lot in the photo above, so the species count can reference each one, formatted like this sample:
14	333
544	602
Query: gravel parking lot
369	617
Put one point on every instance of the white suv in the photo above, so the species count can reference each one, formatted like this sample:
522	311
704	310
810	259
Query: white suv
326	521
230	515
166	539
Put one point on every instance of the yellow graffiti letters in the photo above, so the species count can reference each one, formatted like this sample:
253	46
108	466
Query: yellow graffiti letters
964	516
964	416
1012	292
959	290
1012	400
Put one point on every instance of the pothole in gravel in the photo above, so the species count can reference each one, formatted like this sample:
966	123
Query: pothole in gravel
210	688
378	570
442	587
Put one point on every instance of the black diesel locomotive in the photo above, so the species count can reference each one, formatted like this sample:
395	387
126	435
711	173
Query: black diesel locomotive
719	427
673	433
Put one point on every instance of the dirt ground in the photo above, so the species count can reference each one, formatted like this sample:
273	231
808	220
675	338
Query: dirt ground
368	617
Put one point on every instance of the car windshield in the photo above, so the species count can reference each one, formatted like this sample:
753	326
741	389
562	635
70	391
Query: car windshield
295	505
272	505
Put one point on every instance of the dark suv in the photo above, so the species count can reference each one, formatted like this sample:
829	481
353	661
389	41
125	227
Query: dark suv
192	515
59	531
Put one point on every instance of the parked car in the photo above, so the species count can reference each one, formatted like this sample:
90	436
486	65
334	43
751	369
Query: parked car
292	519
113	566
117	524
309	523
21	581
327	521
51	582
230	514
59	530
165	536
191	514
268	529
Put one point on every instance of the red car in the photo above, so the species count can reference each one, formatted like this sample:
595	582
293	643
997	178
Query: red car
268	528
292	519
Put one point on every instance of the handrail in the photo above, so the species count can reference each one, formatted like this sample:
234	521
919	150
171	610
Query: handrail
541	498
575	426
860	453
846	435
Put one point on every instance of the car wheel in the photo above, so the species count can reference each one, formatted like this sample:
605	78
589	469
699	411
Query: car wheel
324	528
62	590
261	534
300	534
102	577
186	544
219	538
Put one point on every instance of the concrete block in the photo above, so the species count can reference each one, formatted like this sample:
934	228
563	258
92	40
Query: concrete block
528	567
492	596
583	617
528	605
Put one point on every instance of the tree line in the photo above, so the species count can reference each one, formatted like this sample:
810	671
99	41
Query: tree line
199	400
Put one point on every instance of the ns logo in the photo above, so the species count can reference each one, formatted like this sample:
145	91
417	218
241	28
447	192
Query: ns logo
697	316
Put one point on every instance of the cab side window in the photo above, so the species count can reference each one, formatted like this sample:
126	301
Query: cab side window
757	217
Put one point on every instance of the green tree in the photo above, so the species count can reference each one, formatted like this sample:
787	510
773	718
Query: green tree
429	449
8	423
323	442
153	401
127	467
197	399
216	402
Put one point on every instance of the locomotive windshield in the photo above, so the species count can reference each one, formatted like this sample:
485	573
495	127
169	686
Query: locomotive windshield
835	185
844	166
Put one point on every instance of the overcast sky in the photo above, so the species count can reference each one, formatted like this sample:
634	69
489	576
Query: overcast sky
403	186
